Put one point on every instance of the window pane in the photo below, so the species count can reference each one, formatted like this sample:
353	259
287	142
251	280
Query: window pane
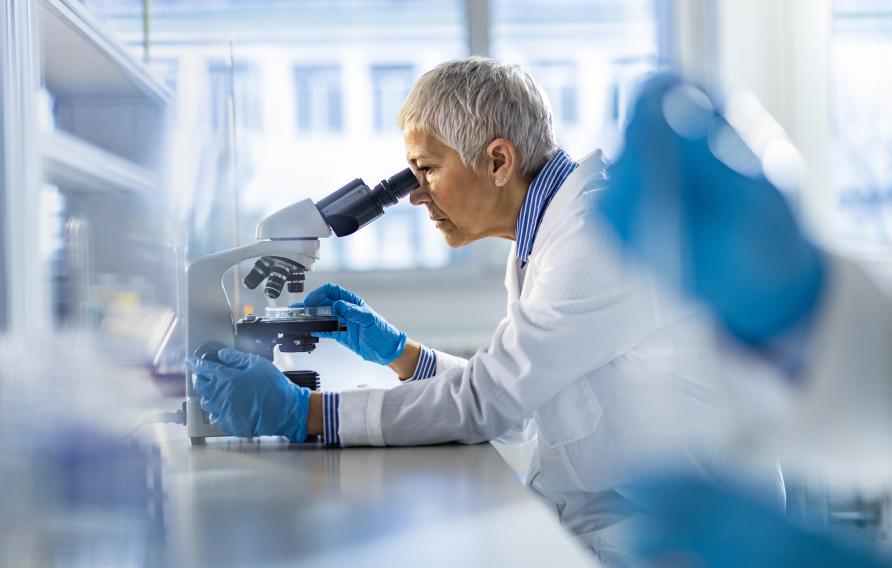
587	55
559	79
237	84
319	96
390	84
862	146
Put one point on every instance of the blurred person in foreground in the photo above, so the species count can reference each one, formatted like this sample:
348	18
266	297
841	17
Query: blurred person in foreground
589	359
697	203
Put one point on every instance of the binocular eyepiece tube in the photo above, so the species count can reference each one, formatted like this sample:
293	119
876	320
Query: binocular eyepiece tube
355	205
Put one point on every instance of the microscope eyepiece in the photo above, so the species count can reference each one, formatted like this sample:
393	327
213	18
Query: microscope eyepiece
392	189
355	205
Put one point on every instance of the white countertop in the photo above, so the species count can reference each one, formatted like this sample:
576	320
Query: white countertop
269	503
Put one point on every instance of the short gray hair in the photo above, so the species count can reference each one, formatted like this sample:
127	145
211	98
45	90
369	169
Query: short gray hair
468	103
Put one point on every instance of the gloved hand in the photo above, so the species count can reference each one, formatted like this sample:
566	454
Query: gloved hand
727	238
693	523
368	335
247	396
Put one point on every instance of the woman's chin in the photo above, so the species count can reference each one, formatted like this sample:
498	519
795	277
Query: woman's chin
453	237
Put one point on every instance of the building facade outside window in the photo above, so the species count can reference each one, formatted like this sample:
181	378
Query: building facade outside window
241	80
390	86
320	96
560	80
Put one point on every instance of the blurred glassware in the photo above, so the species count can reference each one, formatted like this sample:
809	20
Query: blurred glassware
75	492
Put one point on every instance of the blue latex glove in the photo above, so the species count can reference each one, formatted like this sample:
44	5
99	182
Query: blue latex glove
368	335
728	239
247	396
693	524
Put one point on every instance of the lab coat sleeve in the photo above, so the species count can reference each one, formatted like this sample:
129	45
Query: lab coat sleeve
579	315
447	361
432	362
845	405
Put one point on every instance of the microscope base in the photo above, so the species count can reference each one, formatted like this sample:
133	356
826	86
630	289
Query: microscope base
198	422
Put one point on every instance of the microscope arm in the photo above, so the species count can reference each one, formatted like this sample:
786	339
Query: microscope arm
209	316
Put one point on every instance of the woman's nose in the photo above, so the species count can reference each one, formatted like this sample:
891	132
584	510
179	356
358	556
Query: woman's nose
419	196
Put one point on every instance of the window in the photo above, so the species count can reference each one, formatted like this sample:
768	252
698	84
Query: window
861	80
588	56
559	80
317	86
390	86
241	82
319	99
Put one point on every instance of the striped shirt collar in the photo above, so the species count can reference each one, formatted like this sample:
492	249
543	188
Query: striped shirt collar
545	184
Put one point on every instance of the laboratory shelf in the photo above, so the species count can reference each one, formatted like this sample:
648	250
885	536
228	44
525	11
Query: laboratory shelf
105	68
74	165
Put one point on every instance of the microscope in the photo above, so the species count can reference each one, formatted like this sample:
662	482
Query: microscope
287	246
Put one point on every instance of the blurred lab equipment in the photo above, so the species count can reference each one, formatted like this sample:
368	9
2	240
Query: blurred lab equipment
694	202
368	334
288	244
688	184
700	203
75	492
78	261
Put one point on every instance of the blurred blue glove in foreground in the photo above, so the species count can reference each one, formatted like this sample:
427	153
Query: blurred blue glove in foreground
368	335
692	523
247	396
678	201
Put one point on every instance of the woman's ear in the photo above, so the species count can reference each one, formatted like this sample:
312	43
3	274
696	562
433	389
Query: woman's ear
501	161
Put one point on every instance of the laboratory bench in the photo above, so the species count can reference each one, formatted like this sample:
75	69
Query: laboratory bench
265	502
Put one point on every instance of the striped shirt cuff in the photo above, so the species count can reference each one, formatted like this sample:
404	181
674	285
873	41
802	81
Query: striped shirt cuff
331	402
427	365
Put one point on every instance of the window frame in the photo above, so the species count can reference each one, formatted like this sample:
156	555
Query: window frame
335	70
380	123
250	121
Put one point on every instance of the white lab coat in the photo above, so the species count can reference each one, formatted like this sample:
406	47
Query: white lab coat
607	369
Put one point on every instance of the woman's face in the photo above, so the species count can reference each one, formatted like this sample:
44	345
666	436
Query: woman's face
463	203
